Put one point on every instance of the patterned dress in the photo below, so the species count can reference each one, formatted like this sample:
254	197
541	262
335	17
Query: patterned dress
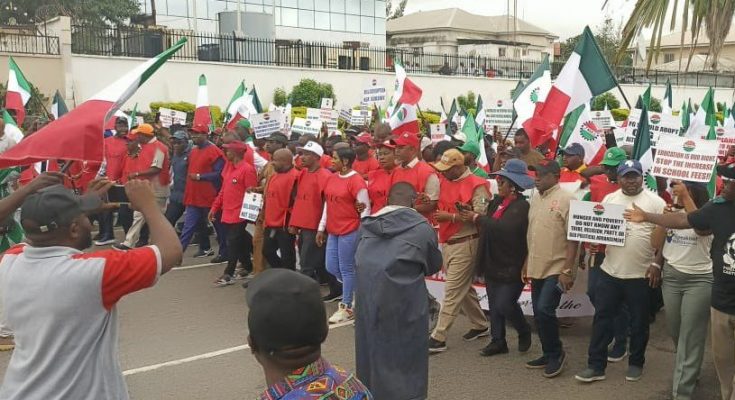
318	380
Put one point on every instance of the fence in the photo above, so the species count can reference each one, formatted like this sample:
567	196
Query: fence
28	44
231	48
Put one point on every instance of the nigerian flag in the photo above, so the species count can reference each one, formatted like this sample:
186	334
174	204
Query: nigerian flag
643	152
667	107
11	128
705	116
712	185
535	90
685	120
645	98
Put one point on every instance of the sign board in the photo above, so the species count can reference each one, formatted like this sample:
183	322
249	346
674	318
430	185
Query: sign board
303	126
345	115
596	223
266	124
726	139
285	120
251	205
357	118
438	132
499	113
659	124
170	117
327	103
139	120
374	93
603	119
328	117
685	158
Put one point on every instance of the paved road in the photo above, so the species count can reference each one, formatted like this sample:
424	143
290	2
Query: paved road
185	339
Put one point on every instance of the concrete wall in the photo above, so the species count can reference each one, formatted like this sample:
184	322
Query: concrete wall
45	72
177	81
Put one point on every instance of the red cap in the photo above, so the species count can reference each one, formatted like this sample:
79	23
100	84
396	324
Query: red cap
365	138
200	128
236	146
387	144
406	139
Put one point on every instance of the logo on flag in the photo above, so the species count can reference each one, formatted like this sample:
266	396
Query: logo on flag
720	131
534	95
500	103
689	146
588	131
598	209
402	114
655	119
397	84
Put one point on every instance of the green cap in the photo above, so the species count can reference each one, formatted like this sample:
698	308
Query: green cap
470	147
614	156
243	123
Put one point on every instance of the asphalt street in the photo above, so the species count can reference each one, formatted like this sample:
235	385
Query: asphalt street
185	339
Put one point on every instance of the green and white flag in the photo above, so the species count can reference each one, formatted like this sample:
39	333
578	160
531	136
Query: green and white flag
645	98
58	106
579	128
11	128
534	91
685	118
712	185
667	107
705	116
643	152
18	91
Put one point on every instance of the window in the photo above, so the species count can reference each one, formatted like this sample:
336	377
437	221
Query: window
289	3
259	2
277	15
668	57
321	5
367	25
306	19
353	7
337	21
215	7
161	7
367	8
380	26
501	51
337	6
321	20
178	8
524	52
253	8
516	53
306	4
352	23
289	17
379	9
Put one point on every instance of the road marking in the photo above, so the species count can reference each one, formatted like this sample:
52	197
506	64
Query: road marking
192	267
205	356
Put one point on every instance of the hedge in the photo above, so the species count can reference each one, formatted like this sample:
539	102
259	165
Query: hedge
188	108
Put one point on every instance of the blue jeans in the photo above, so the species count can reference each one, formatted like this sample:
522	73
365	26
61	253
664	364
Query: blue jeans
622	320
546	296
195	219
341	262
612	293
503	302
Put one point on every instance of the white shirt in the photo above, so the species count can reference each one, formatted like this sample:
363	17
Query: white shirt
632	260
688	252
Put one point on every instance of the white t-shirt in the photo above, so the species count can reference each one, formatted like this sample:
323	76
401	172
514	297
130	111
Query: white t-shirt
632	260
688	252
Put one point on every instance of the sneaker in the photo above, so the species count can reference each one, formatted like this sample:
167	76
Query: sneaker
524	342
204	253
217	260
243	274
475	334
634	373
121	247
436	346
555	367
617	354
104	241
589	375
332	297
538	363
7	343
343	314
494	348
224	280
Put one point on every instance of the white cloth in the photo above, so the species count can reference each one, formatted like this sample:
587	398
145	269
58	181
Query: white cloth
688	252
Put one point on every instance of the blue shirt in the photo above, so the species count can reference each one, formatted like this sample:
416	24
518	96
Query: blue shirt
179	165
318	380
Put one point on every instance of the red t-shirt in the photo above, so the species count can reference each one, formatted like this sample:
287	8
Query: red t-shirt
236	179
201	161
378	187
277	198
452	192
365	167
341	196
309	203
116	150
148	152
130	165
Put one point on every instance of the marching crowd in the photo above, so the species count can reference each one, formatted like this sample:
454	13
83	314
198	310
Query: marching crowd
368	214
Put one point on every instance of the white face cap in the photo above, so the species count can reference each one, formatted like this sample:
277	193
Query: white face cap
314	147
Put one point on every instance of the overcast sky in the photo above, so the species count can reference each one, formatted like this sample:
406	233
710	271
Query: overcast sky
563	17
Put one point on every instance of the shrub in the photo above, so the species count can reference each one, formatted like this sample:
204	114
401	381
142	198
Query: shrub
36	107
620	114
280	98
468	101
606	98
188	108
655	104
309	93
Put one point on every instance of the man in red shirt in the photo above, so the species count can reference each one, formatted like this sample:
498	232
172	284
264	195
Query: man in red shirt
418	173
204	181
379	181
279	196
116	149
307	212
237	177
152	165
365	161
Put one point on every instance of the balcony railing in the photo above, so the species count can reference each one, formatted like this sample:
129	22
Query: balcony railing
18	43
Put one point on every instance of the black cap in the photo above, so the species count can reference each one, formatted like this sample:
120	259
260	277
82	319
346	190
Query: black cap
278	137
547	167
726	171
574	149
54	206
286	311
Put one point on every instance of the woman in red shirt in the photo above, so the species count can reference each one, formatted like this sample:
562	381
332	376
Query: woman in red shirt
340	225
379	180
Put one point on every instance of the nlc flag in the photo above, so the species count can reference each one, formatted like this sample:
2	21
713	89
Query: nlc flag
18	92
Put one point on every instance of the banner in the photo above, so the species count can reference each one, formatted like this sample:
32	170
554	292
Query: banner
659	124
303	126
726	139
251	204
345	115
285	120
592	222
266	124
373	93
327	103
685	158
603	119
438	132
328	117
499	113
357	118
170	117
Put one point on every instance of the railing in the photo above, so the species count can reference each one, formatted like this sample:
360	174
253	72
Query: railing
230	48
28	44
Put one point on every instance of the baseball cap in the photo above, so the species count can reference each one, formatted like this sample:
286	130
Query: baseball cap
614	156
450	158
471	147
180	135
387	144
313	147
144	129
201	129
574	149
364	138
236	145
406	139
54	206
726	171
544	167
630	166
243	123
277	137
285	311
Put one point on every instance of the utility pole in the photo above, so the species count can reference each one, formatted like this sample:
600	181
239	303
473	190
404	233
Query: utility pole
239	18
194	15
153	11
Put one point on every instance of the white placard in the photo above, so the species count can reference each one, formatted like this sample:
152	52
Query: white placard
170	117
285	120
499	113
357	118
327	103
251	205
328	117
726	138
345	114
303	126
685	158
139	120
266	124
603	119
658	124
596	223
438	132
374	93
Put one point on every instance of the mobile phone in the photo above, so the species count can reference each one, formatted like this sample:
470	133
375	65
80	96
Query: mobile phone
460	206
117	194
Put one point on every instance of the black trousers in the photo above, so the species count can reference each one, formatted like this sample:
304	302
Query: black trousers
125	217
239	247
276	239
312	261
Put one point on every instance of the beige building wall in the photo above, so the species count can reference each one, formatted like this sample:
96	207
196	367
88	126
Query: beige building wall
44	72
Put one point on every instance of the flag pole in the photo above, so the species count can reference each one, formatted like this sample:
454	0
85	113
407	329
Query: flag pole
422	114
623	94
515	117
43	107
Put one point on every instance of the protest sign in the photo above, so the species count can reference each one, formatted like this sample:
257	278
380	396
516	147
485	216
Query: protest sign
658	124
685	158
304	126
357	118
725	138
328	117
251	204
170	117
438	132
499	113
139	120
596	223
327	103
345	115
285	120
266	124
603	119
373	93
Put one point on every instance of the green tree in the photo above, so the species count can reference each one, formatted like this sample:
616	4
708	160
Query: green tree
468	101
280	98
93	12
608	36
309	93
598	103
714	17
655	104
